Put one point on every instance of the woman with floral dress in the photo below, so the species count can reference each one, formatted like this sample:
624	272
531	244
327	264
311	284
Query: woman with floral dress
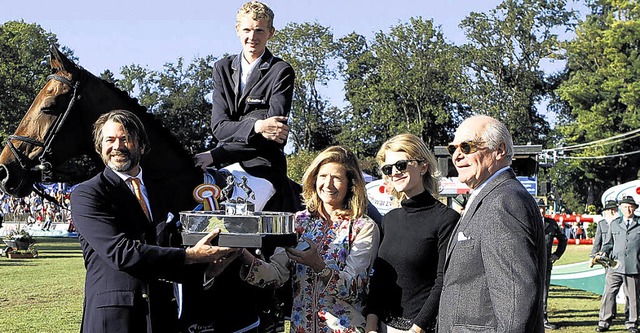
331	275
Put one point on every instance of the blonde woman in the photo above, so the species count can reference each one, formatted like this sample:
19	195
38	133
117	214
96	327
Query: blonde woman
407	275
329	276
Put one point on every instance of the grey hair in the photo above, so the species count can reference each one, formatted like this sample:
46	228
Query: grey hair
495	133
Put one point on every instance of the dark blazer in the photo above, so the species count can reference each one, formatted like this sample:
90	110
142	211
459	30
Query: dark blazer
551	231
267	93
123	290
495	266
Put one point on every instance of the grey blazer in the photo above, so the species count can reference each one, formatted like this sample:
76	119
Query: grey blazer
496	261
623	244
601	237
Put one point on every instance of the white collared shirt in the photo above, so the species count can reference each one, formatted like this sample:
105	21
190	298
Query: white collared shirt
246	69
143	188
477	190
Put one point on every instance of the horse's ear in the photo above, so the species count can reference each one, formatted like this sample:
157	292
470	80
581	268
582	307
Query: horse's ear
59	61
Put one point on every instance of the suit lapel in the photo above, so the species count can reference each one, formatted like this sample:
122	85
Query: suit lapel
464	221
256	74
633	224
157	205
235	78
124	193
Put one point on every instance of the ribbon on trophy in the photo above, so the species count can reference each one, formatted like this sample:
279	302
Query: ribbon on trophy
208	195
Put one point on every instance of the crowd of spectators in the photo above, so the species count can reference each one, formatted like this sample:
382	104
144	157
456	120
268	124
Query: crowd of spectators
34	210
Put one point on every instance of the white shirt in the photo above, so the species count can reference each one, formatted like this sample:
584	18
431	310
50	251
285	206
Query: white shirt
246	69
477	190
143	188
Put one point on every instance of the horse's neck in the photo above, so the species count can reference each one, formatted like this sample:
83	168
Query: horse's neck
165	158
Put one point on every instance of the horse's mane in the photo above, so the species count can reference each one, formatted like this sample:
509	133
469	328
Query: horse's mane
147	118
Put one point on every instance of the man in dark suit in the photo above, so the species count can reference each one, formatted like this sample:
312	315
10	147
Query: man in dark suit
252	96
124	291
551	231
496	261
623	245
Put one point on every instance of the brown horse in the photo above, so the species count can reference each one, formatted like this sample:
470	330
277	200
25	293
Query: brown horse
55	134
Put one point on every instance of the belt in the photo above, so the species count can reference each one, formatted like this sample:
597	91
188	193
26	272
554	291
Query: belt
398	322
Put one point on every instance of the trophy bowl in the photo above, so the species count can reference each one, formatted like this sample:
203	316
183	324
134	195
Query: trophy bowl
249	229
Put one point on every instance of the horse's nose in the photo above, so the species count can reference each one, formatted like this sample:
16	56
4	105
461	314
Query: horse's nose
14	183
4	176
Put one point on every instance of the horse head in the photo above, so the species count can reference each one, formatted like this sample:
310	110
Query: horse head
27	154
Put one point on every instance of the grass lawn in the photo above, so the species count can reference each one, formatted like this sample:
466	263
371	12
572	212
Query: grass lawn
576	310
45	294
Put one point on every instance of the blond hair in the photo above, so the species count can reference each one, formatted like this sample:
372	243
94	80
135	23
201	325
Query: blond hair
355	204
256	10
415	149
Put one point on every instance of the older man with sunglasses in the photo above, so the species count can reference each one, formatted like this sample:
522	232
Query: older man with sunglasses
496	260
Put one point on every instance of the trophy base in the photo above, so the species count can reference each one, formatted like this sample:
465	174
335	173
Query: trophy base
244	240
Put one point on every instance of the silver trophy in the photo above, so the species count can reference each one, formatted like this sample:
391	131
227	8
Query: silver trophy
238	205
240	224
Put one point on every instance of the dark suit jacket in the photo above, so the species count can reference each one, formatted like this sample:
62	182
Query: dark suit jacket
267	93
123	290
551	231
495	266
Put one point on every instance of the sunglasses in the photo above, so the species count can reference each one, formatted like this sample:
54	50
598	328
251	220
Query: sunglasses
400	165
466	147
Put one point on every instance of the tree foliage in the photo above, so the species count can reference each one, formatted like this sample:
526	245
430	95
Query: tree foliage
309	48
602	92
407	81
179	95
24	66
506	48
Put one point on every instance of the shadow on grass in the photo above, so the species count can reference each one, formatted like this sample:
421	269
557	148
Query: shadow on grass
15	262
51	244
49	256
574	296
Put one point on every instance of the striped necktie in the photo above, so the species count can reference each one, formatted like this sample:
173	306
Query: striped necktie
135	183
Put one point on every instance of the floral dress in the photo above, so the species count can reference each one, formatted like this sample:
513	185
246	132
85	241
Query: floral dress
348	247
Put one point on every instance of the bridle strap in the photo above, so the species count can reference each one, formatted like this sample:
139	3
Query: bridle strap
40	191
55	128
51	133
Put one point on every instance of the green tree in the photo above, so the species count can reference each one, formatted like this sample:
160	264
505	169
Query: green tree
504	55
602	96
407	81
24	66
108	76
179	95
141	83
357	65
310	49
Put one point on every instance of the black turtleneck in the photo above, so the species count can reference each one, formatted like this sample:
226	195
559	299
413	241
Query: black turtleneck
407	275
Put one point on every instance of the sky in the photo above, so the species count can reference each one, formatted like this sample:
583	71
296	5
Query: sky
111	34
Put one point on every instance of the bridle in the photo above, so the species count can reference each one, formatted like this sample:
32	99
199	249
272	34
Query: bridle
44	166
